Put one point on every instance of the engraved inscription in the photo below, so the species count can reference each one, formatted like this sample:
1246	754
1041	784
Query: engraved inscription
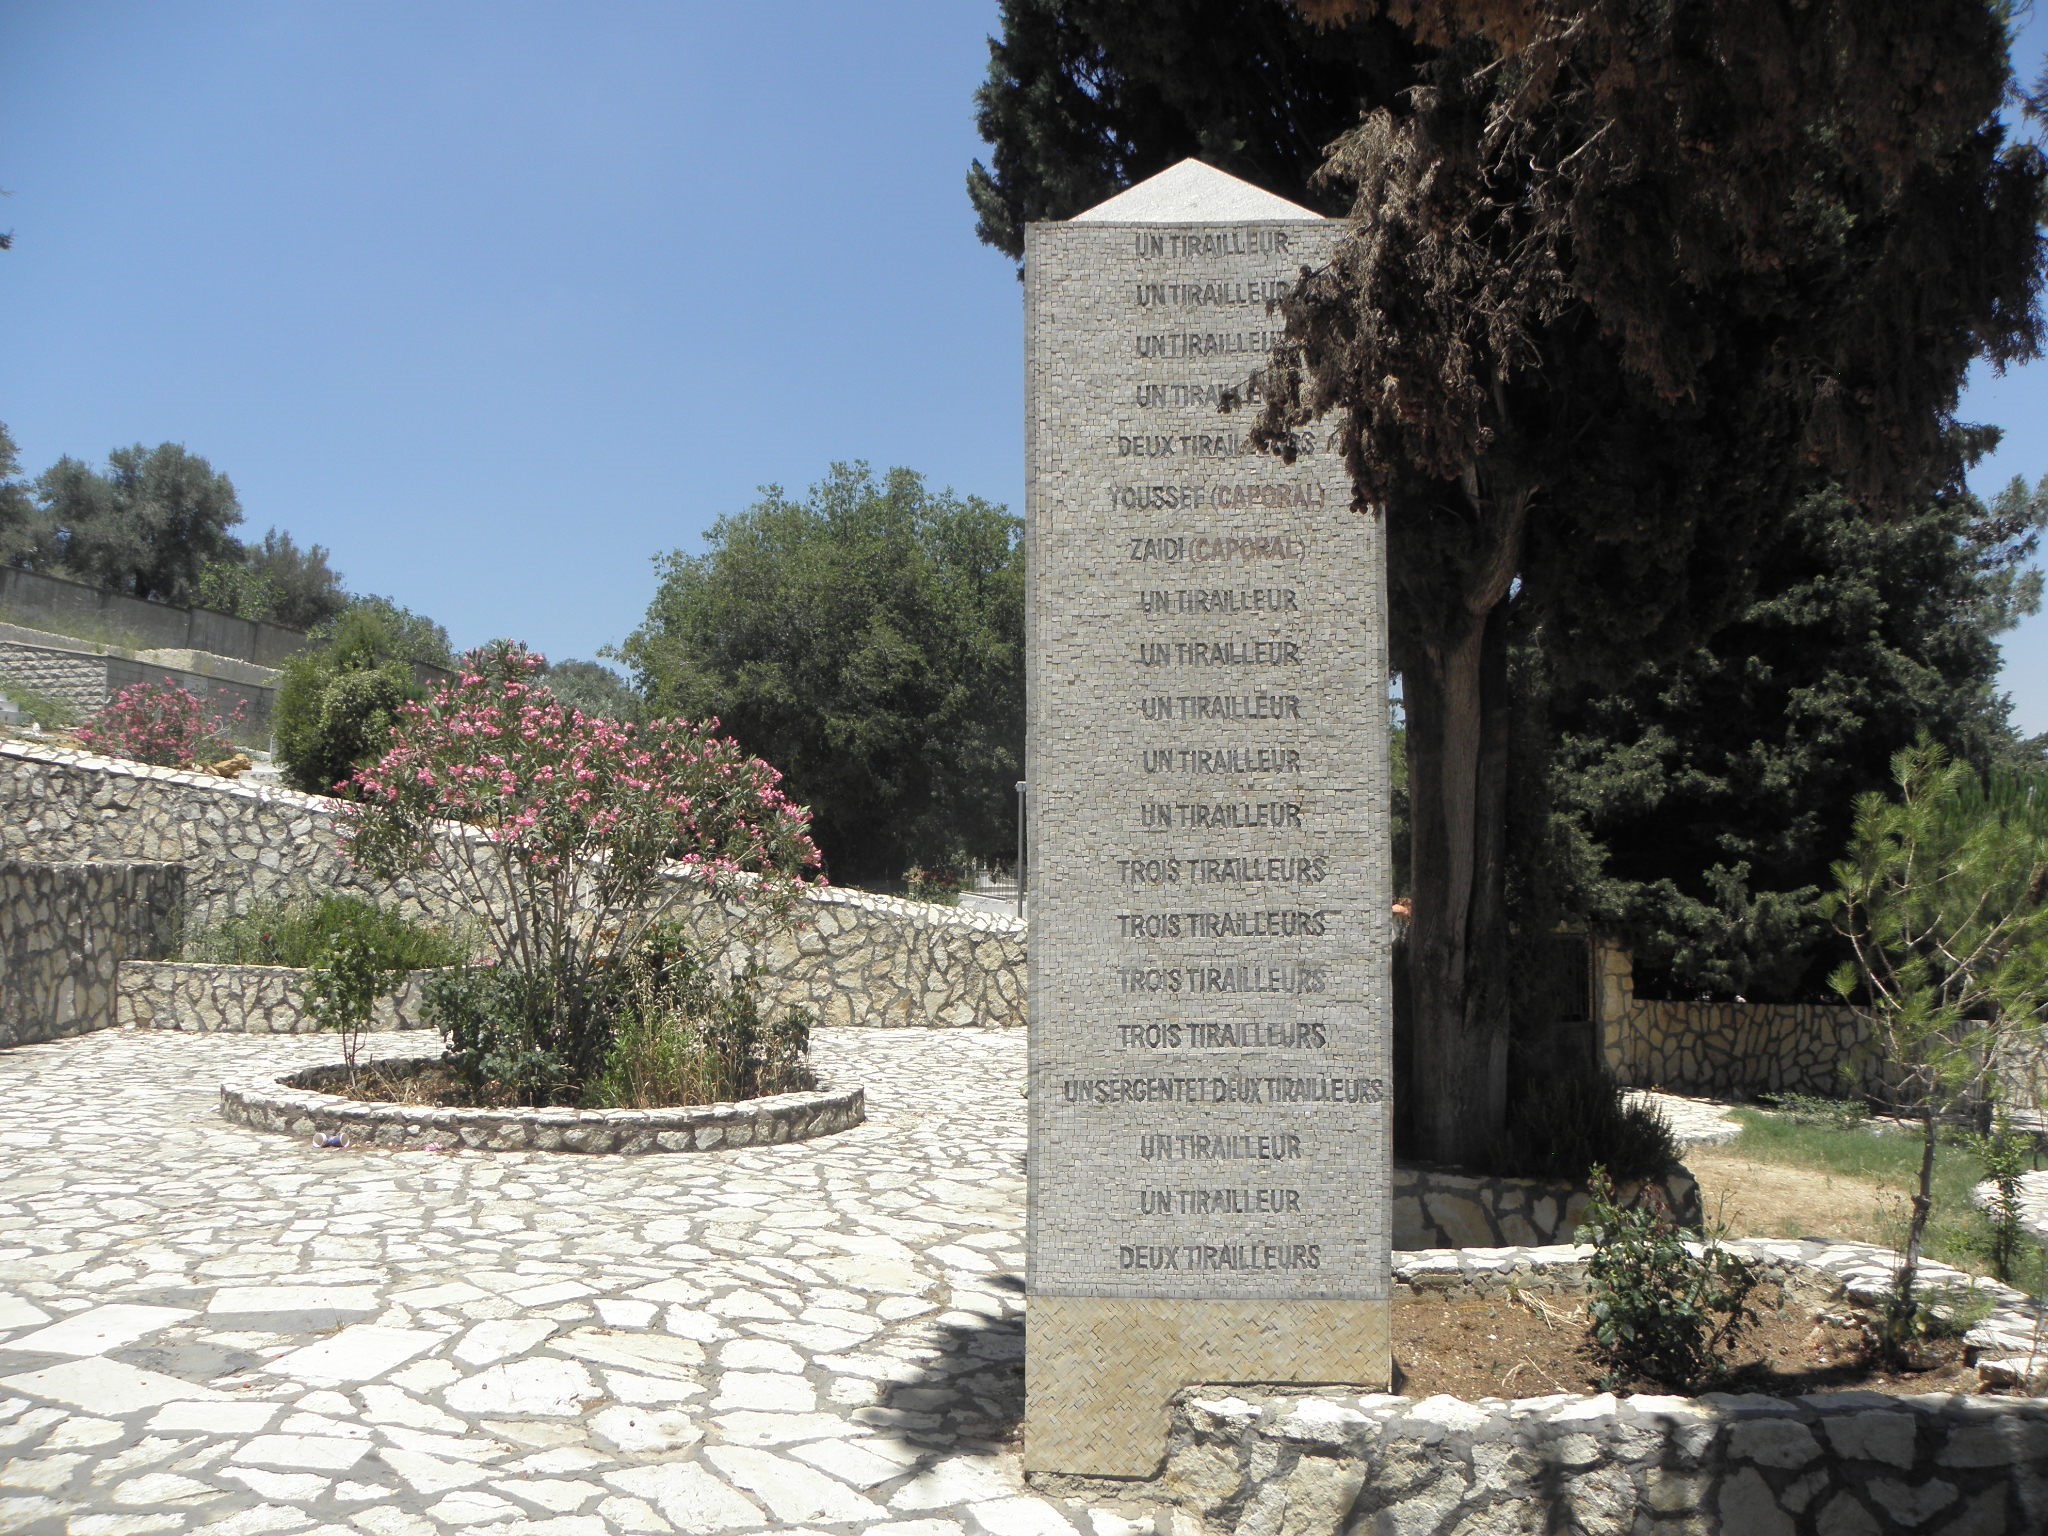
1206	600
1225	1034
1209	1068
1224	240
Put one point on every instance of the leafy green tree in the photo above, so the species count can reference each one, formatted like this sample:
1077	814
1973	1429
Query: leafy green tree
400	634
1709	794
593	688
147	527
342	989
276	581
1941	899
868	642
229	586
20	523
338	702
1559	339
1085	97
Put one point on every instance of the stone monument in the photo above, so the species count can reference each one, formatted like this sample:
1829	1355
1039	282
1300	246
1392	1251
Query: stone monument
1211	1148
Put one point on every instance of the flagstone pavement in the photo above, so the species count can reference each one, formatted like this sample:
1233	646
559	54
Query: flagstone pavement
210	1328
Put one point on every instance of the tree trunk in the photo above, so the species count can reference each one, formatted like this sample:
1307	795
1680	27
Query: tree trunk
1454	691
1898	1334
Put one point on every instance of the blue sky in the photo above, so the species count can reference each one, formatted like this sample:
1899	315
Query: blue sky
500	301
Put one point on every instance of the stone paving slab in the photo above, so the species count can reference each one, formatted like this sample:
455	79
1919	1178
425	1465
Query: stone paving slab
209	1328
1694	1122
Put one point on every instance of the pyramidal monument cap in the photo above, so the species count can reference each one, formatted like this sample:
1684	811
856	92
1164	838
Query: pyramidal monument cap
1194	191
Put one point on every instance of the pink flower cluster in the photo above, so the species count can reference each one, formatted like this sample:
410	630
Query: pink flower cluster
582	814
163	724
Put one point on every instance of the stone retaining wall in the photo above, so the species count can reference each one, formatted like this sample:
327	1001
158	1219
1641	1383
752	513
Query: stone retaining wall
74	679
200	664
855	958
1437	1209
239	999
64	931
1320	1462
86	682
886	962
50	602
1858	1465
1718	1049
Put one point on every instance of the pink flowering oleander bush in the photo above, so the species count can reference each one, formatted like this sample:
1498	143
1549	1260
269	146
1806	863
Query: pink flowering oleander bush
161	724
579	835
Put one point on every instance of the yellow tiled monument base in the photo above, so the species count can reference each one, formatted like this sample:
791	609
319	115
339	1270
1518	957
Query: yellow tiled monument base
1099	1372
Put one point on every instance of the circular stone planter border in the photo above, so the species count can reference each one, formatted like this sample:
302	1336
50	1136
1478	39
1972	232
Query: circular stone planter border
295	1106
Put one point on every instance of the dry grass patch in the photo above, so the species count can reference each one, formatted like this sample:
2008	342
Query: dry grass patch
1758	1199
1805	1175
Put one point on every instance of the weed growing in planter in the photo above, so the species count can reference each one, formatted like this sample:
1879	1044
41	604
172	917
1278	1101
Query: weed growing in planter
2007	1154
161	724
688	1036
570	837
1661	1309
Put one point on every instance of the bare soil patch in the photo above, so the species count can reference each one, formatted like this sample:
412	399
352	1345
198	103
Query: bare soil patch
1807	1340
429	1083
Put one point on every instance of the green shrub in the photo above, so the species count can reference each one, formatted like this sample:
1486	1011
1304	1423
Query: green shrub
687	1036
302	933
330	720
1660	1309
663	1028
336	704
394	632
940	887
511	1037
1567	1122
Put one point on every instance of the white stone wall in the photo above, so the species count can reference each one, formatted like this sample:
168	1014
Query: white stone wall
88	681
882	961
240	999
1437	1209
1716	1048
1319	1464
855	958
72	678
64	931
